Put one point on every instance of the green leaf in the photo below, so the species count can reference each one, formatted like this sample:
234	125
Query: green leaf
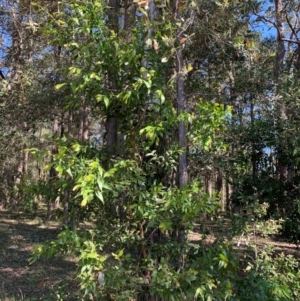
99	195
59	86
75	20
106	102
73	87
84	202
199	292
100	183
95	76
69	171
165	225
86	50
59	169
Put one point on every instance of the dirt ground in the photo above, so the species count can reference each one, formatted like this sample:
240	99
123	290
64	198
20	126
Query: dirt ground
55	279
43	280
278	243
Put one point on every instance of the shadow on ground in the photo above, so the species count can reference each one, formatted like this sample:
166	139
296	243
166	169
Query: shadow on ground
45	279
223	227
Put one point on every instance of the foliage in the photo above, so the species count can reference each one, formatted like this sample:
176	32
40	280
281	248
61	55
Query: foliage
103	134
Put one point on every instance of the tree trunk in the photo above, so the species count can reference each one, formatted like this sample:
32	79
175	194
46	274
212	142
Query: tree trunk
111	119
70	124
219	186
182	163
253	149
182	166
111	134
280	51
52	172
23	158
229	190
280	54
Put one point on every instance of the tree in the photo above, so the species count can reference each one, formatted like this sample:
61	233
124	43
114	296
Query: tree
133	190
154	114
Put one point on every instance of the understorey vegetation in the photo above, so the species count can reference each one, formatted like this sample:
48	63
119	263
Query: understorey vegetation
163	139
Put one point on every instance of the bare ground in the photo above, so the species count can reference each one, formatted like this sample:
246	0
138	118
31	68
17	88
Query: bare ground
242	242
19	280
54	279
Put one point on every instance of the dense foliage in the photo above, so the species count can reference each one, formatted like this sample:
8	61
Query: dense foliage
141	123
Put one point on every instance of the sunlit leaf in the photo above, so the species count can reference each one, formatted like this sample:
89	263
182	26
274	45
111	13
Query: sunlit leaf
59	86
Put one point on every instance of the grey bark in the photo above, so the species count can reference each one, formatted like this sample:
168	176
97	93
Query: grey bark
182	179
280	51
70	124
111	119
182	165
280	54
52	172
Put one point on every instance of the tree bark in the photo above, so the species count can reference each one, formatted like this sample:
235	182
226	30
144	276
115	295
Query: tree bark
70	124
280	54
280	51
52	172
111	119
182	166
182	179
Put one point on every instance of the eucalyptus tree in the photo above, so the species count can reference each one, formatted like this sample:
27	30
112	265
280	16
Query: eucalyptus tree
277	158
31	106
223	56
20	92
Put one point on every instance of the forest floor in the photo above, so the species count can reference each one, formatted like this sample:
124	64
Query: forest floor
43	280
55	279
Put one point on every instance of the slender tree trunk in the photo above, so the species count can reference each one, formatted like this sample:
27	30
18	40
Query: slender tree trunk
182	166
280	54
111	119
234	120
84	123
70	124
219	186
81	123
23	163
297	64
228	190
52	172
182	163
280	51
111	134
253	150
291	167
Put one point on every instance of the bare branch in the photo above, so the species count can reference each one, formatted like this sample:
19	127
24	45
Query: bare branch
291	27
291	41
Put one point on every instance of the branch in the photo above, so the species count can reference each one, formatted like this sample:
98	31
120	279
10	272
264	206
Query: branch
16	21
291	27
291	41
262	17
2	75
